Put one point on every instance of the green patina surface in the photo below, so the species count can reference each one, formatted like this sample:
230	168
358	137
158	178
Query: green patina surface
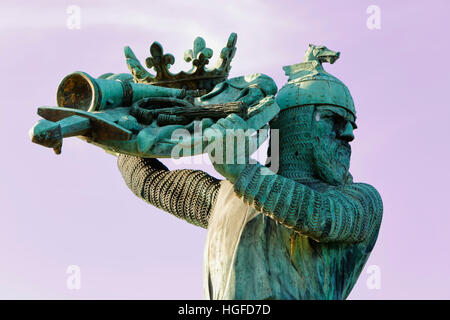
318	227
312	228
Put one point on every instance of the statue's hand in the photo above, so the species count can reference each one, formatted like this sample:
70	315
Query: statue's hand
229	158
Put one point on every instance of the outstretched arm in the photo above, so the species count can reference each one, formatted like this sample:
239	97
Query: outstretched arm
351	213
187	194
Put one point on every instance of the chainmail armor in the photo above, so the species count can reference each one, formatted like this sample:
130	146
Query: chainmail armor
348	213
295	139
187	194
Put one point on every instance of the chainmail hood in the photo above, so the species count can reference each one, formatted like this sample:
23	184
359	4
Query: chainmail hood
295	141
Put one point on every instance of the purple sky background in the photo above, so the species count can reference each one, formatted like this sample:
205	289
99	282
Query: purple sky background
75	209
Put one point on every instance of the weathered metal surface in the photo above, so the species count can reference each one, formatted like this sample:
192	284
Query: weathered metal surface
302	230
79	90
310	84
101	127
199	77
146	127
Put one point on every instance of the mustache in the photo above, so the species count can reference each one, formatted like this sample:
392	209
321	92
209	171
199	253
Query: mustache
343	147
332	159
334	145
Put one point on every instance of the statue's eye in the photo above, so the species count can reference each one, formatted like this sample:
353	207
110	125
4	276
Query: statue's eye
340	123
326	115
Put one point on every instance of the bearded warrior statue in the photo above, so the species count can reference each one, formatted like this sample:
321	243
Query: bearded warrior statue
303	231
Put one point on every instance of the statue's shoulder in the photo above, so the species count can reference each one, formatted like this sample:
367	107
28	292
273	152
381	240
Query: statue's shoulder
366	194
365	201
367	189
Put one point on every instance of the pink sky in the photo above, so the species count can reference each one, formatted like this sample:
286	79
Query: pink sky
74	209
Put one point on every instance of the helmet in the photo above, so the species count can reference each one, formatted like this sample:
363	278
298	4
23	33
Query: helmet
310	84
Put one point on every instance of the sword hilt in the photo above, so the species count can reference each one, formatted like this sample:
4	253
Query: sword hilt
50	134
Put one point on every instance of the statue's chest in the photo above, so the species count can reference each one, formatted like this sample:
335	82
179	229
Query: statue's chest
281	262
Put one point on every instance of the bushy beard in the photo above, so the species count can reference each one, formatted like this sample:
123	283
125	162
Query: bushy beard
331	160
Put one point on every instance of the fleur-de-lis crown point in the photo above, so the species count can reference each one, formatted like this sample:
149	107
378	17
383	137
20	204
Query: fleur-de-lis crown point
198	77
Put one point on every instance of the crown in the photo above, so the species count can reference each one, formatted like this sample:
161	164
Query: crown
199	77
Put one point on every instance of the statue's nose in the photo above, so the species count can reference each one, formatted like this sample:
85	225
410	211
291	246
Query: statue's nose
347	133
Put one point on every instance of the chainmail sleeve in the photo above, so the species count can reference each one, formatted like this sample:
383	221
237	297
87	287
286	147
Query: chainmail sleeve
187	194
351	213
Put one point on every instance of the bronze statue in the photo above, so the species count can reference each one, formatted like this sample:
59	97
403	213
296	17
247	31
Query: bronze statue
303	231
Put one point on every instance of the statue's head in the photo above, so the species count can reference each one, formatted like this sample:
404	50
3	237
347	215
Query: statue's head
316	121
332	131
